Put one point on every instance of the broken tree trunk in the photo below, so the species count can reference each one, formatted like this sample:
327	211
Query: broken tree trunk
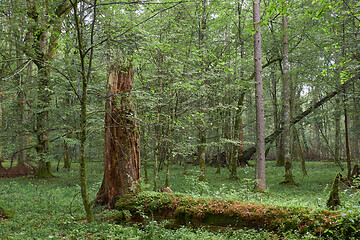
122	157
248	153
334	199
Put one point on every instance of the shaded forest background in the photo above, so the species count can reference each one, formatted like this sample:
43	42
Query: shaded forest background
193	88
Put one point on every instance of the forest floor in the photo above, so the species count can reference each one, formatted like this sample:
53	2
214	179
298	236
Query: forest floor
52	209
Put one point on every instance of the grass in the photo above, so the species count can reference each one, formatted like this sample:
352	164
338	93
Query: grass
52	209
312	191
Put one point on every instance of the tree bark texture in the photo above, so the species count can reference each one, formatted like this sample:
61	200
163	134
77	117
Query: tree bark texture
202	148
347	139
45	34
337	133
286	106
122	156
260	142
42	119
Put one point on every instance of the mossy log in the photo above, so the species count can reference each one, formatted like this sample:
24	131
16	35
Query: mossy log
217	214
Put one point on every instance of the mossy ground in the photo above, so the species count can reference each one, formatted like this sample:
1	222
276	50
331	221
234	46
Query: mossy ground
52	208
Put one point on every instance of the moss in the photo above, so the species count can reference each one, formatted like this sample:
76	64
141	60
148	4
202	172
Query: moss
334	199
222	220
183	216
44	170
122	216
197	212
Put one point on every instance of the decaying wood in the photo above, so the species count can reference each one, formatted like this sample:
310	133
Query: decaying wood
183	210
122	157
334	198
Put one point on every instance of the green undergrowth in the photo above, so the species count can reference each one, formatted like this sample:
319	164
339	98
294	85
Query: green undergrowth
52	209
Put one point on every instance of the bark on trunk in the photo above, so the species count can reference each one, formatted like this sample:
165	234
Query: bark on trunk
337	134
347	139
202	148
122	157
45	34
260	139
42	119
286	107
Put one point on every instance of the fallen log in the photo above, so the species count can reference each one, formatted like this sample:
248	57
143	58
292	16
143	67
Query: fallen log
184	210
248	153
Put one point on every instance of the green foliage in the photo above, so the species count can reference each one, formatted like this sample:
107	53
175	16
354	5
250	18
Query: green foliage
53	208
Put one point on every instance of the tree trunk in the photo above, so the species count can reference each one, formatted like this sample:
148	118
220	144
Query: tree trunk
260	141
21	111
84	76
347	139
45	34
145	156
337	133
286	106
42	119
279	155
67	164
238	132
355	123
300	151
122	157
202	148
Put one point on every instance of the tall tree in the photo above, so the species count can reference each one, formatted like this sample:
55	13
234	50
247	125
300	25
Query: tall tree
202	147
44	31
286	102
84	75
260	138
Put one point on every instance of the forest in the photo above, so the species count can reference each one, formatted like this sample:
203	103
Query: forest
171	119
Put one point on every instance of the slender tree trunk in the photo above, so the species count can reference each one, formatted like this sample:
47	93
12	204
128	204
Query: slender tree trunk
145	156
83	136
347	139
218	159
67	164
202	148
300	150
83	107
156	165
279	155
238	130
337	134
286	106
260	143
122	157
356	123
168	160
238	124
158	136
66	145
22	135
